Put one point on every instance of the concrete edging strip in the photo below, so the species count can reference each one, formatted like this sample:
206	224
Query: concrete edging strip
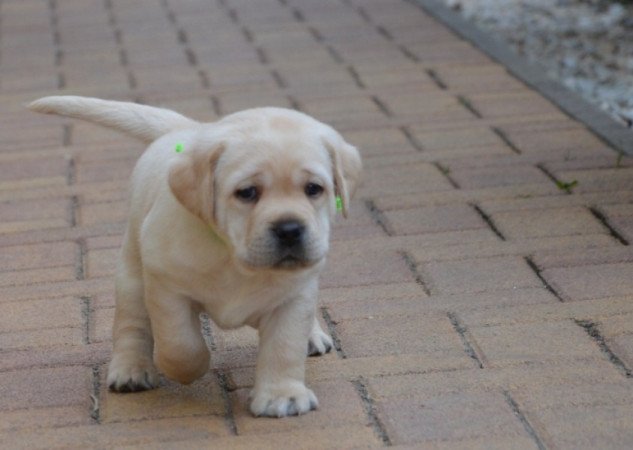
534	75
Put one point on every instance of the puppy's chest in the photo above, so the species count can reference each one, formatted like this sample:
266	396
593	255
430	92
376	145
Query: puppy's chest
232	302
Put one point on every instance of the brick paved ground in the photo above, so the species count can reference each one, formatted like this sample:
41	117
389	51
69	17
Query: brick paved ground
481	295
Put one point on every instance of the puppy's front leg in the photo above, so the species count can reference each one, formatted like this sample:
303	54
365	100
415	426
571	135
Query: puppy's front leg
279	380
180	351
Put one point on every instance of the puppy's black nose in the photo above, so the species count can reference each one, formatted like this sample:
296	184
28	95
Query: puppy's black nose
288	232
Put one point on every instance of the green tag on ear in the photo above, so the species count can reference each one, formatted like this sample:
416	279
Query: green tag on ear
339	203
179	147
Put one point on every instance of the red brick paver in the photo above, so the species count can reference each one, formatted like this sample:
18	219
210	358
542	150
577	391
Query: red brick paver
481	294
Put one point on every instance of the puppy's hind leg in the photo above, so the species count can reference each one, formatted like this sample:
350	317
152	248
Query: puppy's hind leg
319	342
131	368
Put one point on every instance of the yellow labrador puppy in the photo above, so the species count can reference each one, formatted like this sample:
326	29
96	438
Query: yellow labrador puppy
231	218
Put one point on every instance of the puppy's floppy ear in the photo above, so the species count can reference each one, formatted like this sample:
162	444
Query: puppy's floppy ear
346	167
191	180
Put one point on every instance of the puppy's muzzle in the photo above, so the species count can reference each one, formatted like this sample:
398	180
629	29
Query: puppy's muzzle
289	236
289	233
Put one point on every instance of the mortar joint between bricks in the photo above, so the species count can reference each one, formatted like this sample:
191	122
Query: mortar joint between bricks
80	263
524	420
52	6
294	103
414	269
192	59
378	217
229	416
336	56
446	172
381	106
363	14
61	80
59	57
356	77
233	16
67	133
298	15
279	80
216	105
95	396
118	35
183	39
54	22
86	312
486	218
331	326
593	330
408	54
462	331
71	171
547	173
433	75
411	138
506	140
112	23
261	56
384	32
107	4
537	271
605	222
316	34
466	103
566	186
170	14
248	34
204	79
370	409
131	80
207	334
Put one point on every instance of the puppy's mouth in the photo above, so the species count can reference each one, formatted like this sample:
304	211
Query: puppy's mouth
291	262
270	253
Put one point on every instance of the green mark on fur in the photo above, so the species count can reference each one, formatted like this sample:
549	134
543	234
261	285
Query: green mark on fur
339	203
179	147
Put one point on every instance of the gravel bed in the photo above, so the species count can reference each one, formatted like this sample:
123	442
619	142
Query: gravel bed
585	44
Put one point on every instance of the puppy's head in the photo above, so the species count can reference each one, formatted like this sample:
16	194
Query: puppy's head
266	180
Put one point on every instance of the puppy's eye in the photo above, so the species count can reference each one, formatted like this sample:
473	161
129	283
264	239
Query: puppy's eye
313	190
248	194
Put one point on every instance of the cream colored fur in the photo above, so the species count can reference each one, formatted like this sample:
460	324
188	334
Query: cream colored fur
193	245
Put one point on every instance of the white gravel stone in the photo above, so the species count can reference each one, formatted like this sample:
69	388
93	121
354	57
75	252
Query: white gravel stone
585	44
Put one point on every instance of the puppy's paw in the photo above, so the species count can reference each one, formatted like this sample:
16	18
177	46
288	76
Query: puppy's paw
289	400
319	343
125	376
